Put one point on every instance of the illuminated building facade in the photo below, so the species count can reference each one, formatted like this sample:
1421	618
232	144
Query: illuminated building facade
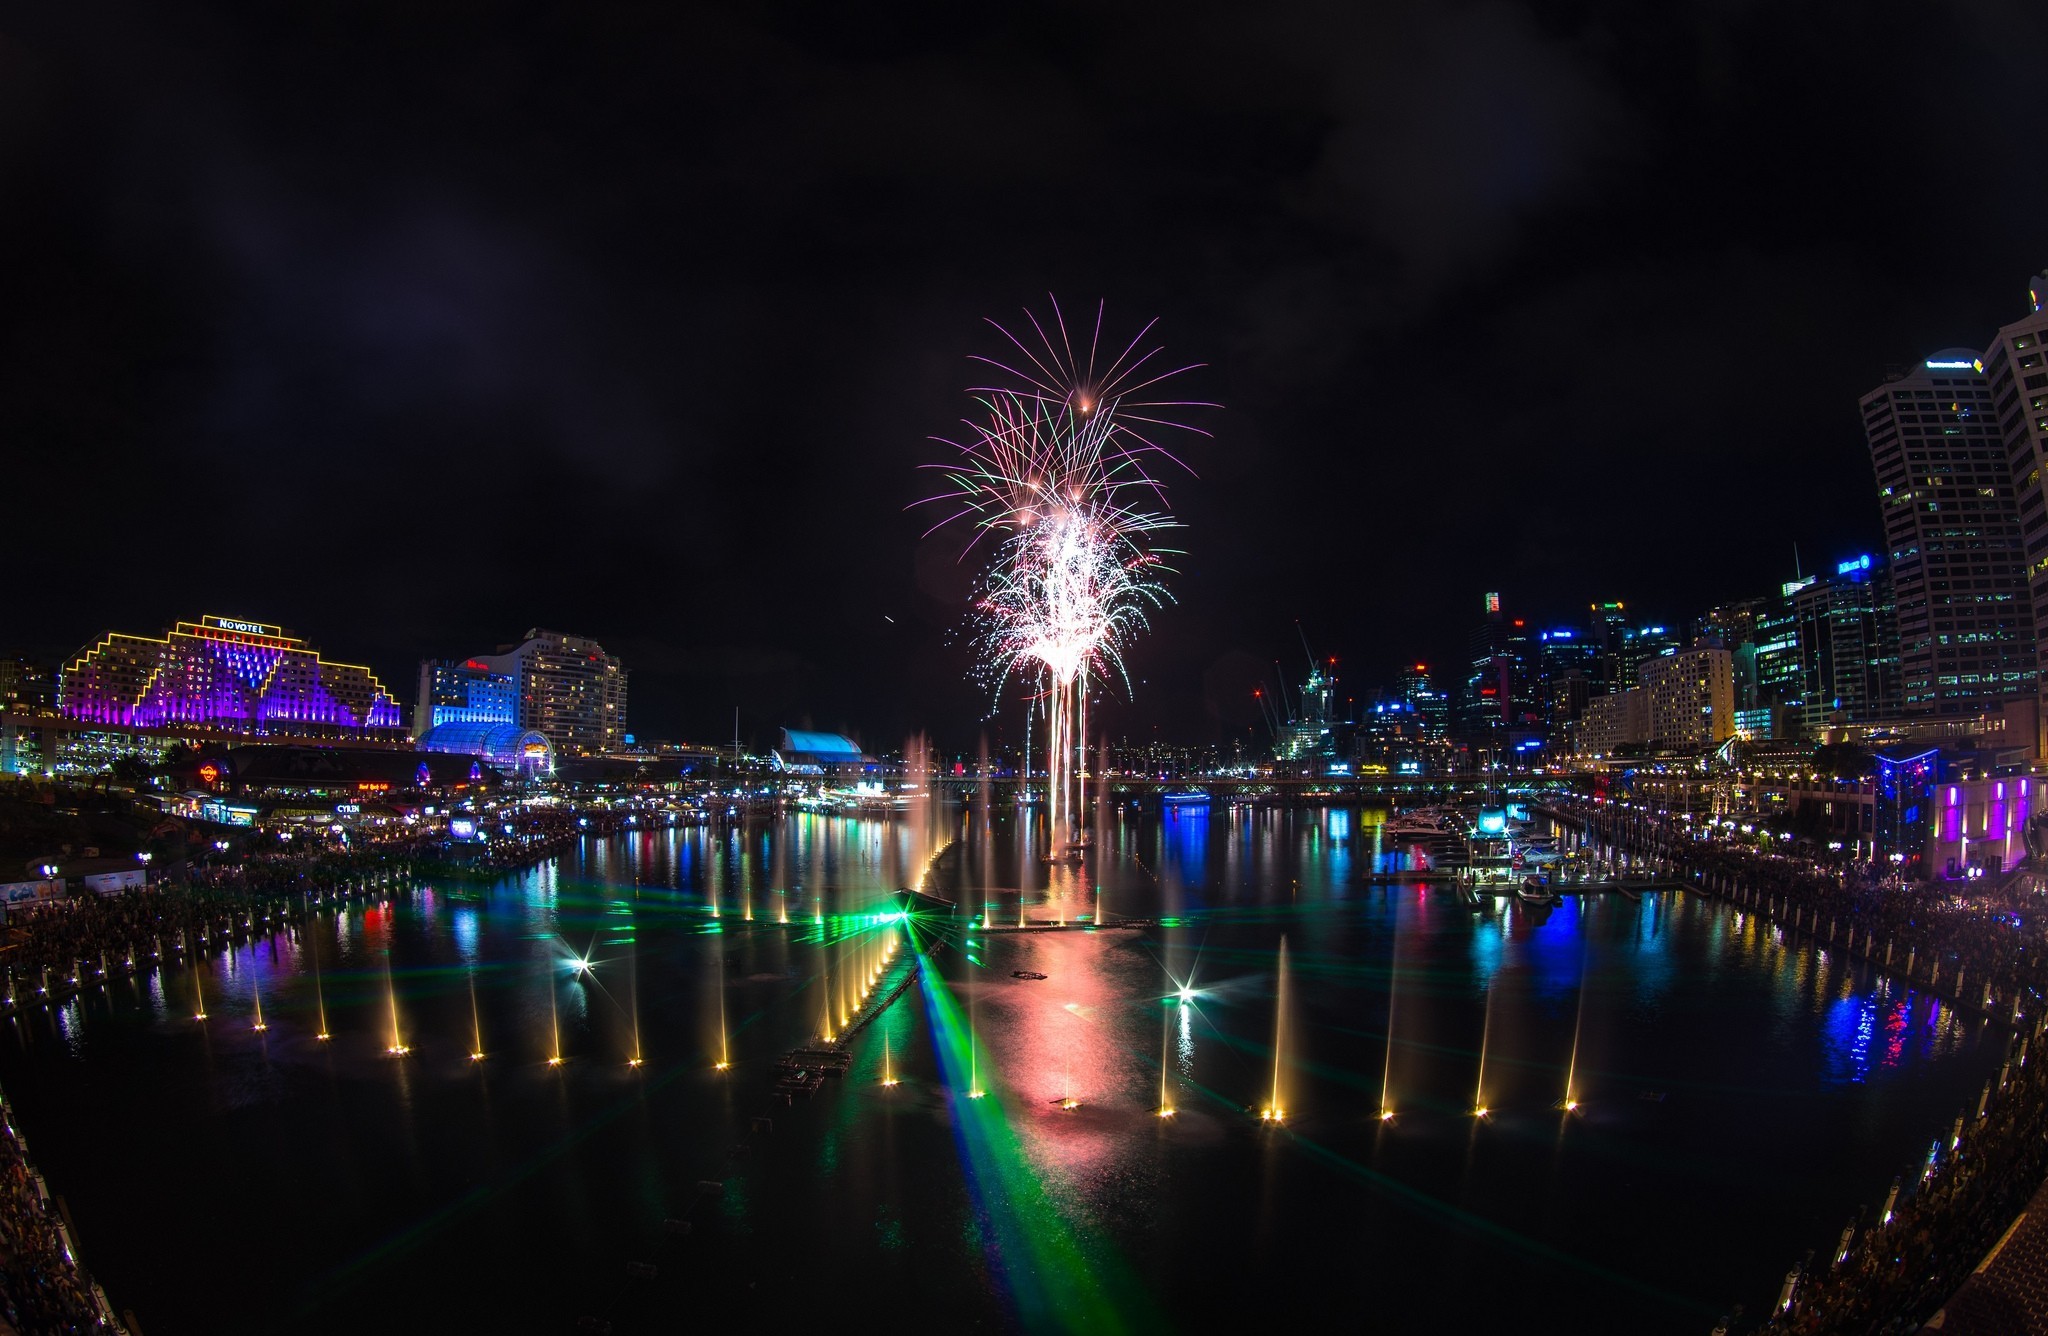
1566	662
28	685
1979	824
1431	706
1952	523
1733	626
2016	370
1689	697
1779	667
1499	688
505	747
225	674
1614	721
1848	638
1308	736
468	692
568	690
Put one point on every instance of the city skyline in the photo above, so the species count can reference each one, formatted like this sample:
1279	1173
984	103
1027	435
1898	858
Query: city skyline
673	663
1514	347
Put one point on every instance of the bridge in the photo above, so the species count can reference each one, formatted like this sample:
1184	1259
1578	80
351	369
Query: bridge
1341	788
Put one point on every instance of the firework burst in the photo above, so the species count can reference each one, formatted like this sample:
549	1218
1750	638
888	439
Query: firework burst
1055	474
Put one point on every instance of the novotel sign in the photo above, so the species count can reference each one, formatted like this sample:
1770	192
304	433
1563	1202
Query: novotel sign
230	624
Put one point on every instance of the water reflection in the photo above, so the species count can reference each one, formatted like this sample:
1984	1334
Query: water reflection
1694	1040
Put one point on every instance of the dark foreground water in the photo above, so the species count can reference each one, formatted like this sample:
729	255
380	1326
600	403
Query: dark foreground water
1741	1098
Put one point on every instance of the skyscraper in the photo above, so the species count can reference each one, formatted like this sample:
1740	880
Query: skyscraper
1848	644
569	690
1498	686
1431	706
1780	709
1609	629
1733	627
1566	663
2016	370
1966	625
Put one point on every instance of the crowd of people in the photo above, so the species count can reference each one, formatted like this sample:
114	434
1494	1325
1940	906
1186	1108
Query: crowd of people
43	1290
1895	1274
1984	947
1952	938
249	892
66	939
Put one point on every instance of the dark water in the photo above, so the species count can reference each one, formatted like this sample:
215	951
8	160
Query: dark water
225	1180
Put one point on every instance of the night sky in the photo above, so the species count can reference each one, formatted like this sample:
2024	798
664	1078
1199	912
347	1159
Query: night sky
411	326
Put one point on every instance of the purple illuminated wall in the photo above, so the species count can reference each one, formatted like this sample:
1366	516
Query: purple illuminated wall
203	676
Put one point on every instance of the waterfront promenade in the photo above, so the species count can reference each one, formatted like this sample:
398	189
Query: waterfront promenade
1977	946
44	1287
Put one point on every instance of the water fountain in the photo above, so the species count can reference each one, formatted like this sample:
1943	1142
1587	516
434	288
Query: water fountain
633	1000
554	1023
1275	1110
974	1090
1479	1109
319	995
826	1029
1571	1071
724	1063
476	1022
985	796
1165	1109
398	1047
1387	1067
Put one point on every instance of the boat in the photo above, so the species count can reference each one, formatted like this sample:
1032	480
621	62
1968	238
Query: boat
1026	974
1417	825
1533	892
1184	798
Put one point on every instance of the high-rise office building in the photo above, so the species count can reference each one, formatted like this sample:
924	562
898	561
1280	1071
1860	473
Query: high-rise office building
1848	644
2016	370
569	691
1608	630
1733	627
1780	706
1499	688
1952	524
1431	707
1567	662
1620	646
